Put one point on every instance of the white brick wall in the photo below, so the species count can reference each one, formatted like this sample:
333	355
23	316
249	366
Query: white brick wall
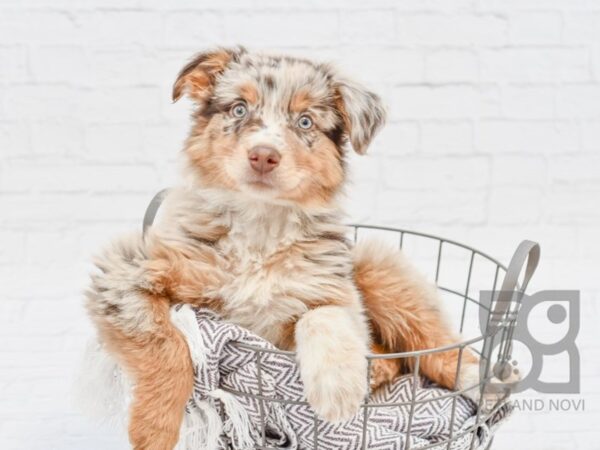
494	137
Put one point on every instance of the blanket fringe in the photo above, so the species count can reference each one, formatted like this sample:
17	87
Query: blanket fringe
201	428
238	422
184	318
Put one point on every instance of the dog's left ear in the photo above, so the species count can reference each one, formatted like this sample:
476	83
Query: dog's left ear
362	112
198	77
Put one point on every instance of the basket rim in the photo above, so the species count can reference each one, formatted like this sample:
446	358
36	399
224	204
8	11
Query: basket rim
429	236
371	356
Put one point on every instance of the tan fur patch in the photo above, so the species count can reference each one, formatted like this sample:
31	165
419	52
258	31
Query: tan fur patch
287	340
301	101
249	92
383	371
338	101
184	274
200	73
326	172
207	149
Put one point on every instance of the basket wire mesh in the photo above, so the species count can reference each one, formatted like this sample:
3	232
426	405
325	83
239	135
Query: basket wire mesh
483	344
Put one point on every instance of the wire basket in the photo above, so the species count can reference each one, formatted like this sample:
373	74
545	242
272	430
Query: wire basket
492	341
461	274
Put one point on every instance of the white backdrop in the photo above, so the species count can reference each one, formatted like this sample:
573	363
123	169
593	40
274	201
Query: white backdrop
494	136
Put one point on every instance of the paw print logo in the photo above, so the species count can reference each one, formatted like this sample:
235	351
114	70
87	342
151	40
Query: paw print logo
546	326
506	370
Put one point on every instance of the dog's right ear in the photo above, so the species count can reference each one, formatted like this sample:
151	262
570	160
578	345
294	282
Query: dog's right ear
362	112
198	77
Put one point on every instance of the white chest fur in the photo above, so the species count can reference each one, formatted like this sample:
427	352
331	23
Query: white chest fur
265	273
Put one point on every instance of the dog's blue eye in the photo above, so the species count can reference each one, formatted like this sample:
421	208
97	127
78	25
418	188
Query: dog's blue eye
305	122
239	110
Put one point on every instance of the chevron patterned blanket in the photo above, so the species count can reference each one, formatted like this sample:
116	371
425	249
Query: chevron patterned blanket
223	413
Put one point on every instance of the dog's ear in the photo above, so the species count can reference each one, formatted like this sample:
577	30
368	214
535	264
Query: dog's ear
361	111
198	77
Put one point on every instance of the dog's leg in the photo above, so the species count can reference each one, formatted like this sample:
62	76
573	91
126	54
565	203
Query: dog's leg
404	312
383	371
159	363
129	301
332	343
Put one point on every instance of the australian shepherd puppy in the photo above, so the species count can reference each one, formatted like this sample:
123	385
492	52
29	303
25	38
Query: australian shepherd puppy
255	234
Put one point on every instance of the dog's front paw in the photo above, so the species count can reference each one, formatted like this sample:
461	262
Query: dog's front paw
336	393
384	371
331	347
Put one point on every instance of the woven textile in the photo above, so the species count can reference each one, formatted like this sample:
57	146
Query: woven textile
223	367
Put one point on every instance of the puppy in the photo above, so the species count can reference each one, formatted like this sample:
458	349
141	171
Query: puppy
254	233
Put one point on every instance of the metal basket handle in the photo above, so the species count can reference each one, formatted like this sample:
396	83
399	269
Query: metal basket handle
527	252
526	255
152	209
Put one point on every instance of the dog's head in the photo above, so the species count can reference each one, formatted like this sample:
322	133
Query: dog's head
274	126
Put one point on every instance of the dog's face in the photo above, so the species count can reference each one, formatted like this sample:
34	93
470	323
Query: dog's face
275	127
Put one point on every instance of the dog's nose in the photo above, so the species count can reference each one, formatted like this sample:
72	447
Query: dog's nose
263	158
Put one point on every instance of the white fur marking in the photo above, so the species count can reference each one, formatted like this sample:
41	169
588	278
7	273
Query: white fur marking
331	350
